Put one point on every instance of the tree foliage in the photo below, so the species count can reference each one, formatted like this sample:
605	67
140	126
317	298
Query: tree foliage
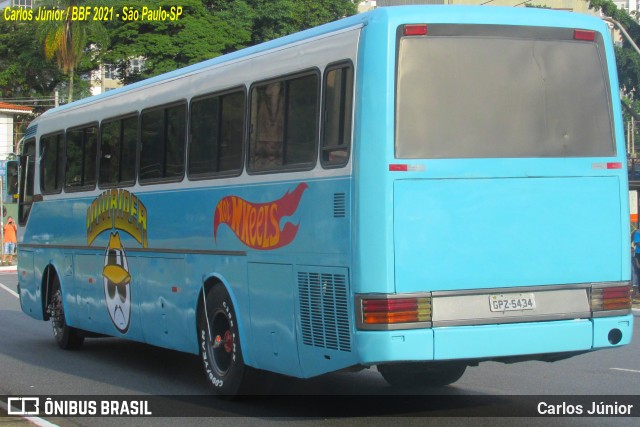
69	40
166	45
24	71
278	18
627	59
209	28
206	29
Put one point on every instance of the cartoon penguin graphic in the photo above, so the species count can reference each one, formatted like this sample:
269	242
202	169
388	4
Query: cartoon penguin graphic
117	289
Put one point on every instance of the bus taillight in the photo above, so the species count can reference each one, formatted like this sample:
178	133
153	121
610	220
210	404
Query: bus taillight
389	311
611	298
415	30
584	35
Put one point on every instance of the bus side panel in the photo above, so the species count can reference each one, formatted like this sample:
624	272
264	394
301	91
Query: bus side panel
162	302
93	311
89	282
318	219
30	293
272	318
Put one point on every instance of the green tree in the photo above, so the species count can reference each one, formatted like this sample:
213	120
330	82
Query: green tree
201	33
209	28
278	18
69	40
24	71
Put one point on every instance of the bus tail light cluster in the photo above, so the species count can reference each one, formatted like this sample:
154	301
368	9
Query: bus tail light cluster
394	311
611	298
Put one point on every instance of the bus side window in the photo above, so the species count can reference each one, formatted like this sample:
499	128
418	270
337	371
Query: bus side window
80	173
336	116
27	171
216	131
118	142
163	141
284	123
51	163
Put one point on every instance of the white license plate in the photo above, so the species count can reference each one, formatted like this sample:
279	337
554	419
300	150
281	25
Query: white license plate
512	302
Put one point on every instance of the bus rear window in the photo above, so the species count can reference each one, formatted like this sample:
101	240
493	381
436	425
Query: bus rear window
468	91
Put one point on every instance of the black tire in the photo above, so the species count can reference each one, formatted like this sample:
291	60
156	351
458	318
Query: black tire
223	363
67	337
422	374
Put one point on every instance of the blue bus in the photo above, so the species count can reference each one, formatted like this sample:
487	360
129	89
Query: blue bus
416	188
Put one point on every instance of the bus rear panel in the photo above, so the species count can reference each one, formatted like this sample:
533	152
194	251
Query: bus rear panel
506	210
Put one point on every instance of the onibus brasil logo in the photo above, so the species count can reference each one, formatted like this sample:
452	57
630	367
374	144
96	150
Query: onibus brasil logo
257	225
117	211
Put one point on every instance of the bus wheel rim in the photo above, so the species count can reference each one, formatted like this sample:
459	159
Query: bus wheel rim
223	344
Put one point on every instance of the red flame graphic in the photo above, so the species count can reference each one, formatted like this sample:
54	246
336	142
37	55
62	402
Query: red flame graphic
257	225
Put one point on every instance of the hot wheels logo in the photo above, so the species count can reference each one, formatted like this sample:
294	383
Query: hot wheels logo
257	225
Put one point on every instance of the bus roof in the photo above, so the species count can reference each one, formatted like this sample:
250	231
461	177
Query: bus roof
460	14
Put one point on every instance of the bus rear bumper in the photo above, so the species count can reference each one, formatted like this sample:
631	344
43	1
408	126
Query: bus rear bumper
493	341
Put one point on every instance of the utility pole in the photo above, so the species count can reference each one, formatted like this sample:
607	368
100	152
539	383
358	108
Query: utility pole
102	74
628	139
624	32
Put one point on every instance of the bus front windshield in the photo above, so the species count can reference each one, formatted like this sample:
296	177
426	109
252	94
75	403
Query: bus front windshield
474	91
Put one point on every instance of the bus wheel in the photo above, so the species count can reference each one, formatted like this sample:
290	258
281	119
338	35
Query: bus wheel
219	343
67	337
422	374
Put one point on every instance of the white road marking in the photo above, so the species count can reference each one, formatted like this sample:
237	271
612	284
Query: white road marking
11	291
33	420
626	370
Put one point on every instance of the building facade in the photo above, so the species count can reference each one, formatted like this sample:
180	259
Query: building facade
28	4
8	136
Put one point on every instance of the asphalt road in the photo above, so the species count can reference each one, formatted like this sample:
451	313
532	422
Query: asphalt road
32	364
